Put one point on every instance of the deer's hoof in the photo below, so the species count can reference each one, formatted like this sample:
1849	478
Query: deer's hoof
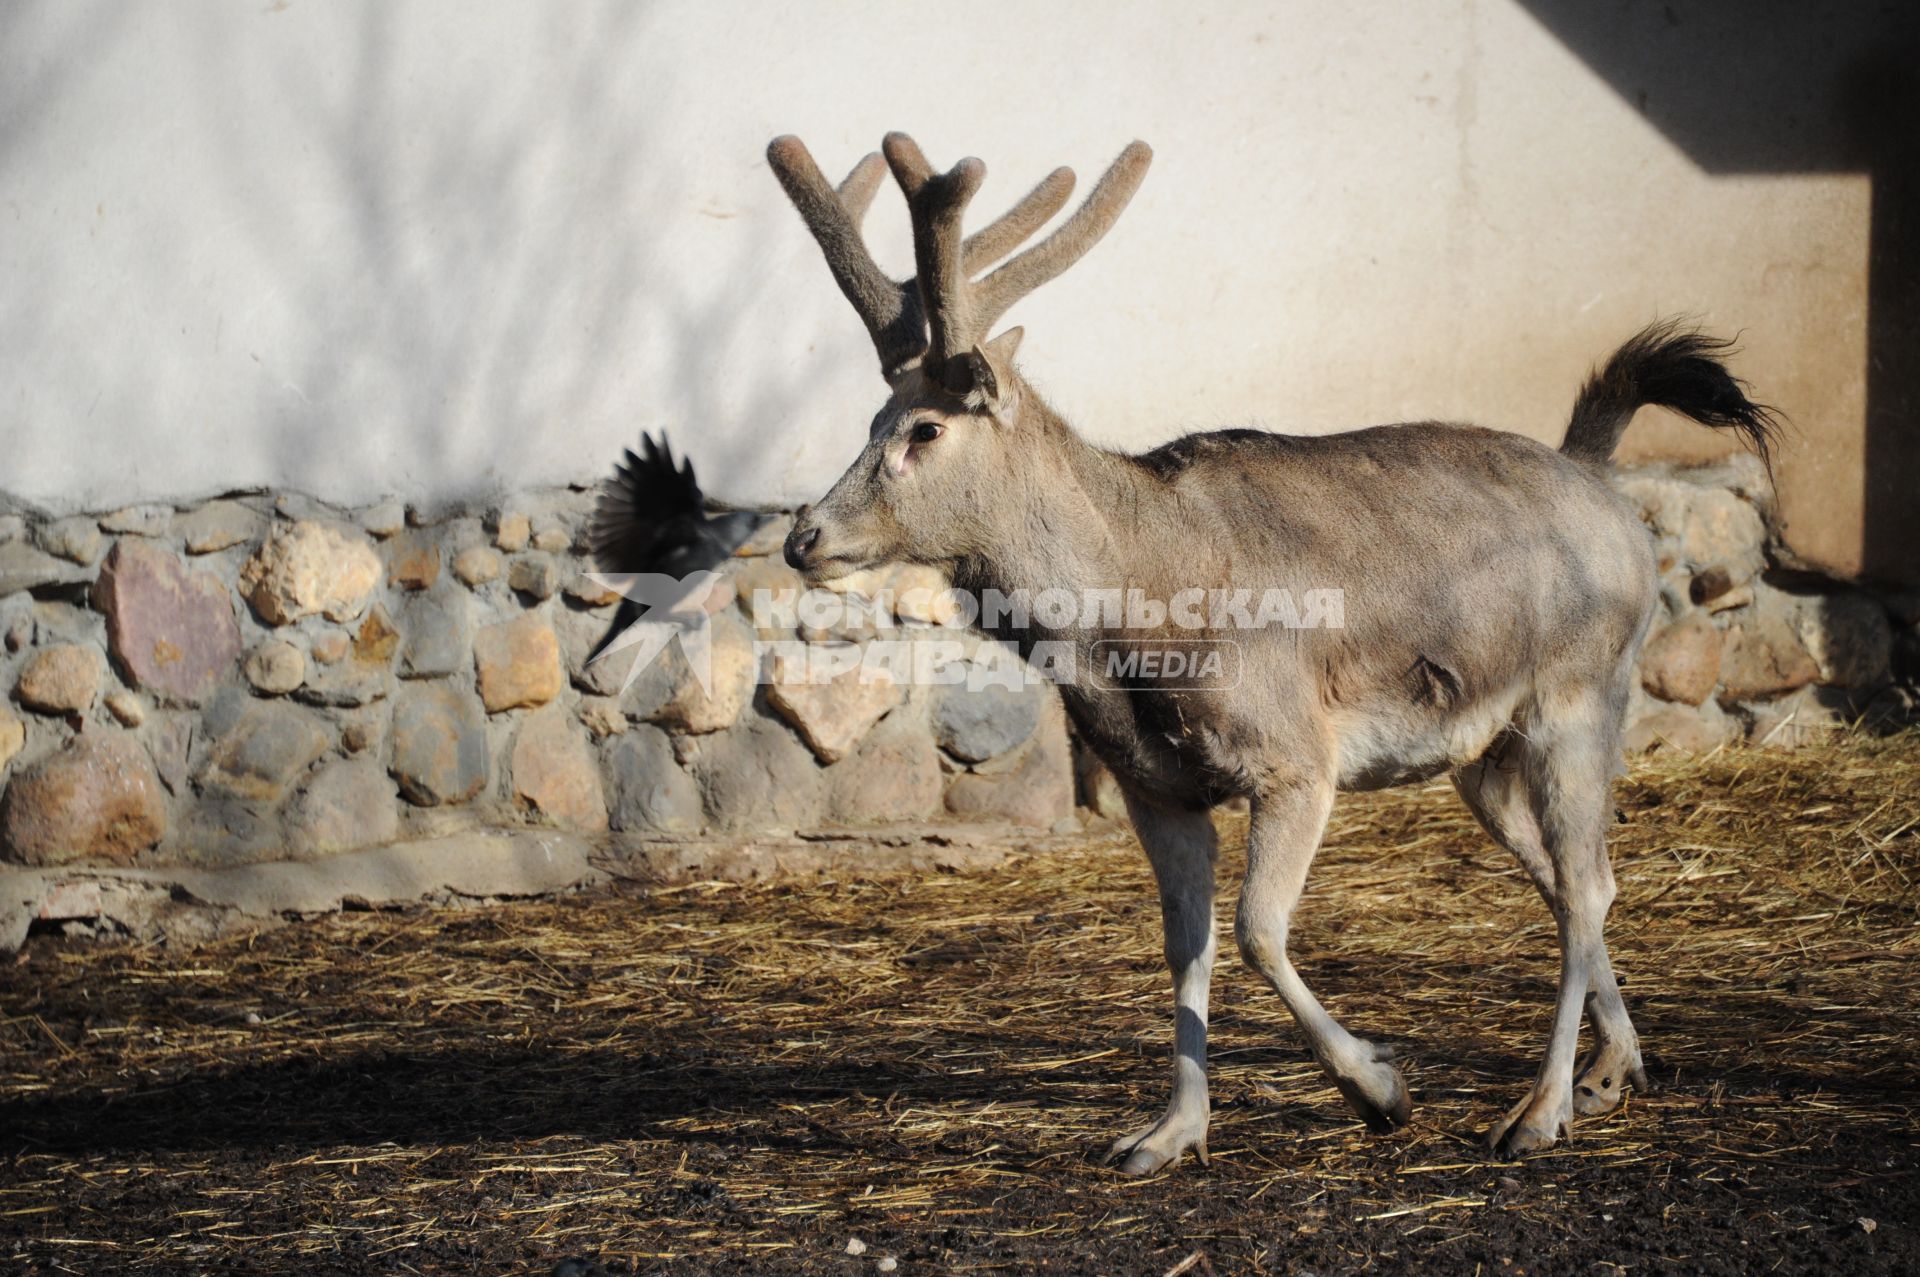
1531	1126
1156	1147
1609	1071
1378	1093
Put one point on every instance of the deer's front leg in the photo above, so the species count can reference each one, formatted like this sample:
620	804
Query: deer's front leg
1181	846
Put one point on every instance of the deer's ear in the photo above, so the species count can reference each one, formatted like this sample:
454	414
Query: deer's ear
1000	350
984	375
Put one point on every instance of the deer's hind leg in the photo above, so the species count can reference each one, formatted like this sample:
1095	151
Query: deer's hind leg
1495	790
1571	748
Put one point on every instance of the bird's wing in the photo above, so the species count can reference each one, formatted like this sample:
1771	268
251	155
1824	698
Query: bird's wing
648	510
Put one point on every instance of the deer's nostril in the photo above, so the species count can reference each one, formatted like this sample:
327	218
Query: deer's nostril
800	544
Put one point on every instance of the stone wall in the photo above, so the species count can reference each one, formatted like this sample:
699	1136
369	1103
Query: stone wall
256	679
1742	651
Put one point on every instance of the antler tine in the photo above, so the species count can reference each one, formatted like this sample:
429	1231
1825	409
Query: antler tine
1068	243
990	243
908	162
942	312
856	193
891	311
937	203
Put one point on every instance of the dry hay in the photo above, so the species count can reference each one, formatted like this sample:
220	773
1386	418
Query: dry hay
744	1078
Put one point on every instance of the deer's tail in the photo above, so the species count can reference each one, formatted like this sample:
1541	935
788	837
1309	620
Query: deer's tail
1675	367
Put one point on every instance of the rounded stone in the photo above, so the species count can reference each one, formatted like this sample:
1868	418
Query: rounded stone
348	804
126	708
555	774
414	561
60	680
98	800
893	776
1682	663
831	709
924	596
1764	657
384	520
979	723
513	532
668	691
767	591
588	592
331	647
309	567
75	539
1095	785
276	667
1037	790
1720	530
518	664
171	632
1849	638
22	567
140	520
13	736
216	526
265	750
439	745
534	575
651	794
602	718
476	565
1689	731
757	775
439	632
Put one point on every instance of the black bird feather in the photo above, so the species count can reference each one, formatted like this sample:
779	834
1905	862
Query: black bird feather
652	517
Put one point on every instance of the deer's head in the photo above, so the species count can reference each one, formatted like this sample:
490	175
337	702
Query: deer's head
951	433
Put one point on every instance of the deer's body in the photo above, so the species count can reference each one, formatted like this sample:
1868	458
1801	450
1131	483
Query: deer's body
1495	596
1525	561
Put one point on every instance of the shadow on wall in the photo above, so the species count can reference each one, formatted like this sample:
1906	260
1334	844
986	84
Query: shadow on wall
475	377
1779	86
459	254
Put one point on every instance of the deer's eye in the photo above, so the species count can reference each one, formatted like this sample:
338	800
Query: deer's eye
926	432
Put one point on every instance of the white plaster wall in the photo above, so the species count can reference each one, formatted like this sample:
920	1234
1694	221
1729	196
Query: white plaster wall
439	248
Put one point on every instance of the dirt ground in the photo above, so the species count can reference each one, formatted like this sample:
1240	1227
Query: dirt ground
747	1079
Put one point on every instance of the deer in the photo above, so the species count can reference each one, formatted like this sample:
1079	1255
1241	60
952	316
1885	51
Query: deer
1496	594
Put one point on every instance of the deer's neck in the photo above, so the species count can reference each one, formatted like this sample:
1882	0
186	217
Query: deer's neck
1071	520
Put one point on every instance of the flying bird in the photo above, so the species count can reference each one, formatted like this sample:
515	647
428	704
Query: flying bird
652	518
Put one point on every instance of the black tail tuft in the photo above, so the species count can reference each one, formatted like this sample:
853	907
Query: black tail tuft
1676	368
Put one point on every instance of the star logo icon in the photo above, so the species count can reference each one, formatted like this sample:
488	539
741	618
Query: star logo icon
672	608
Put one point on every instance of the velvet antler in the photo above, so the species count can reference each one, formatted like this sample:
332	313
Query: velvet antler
961	310
944	311
891	311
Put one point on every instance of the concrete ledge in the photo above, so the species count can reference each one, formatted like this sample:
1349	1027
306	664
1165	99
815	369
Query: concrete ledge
198	904
866	853
191	906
